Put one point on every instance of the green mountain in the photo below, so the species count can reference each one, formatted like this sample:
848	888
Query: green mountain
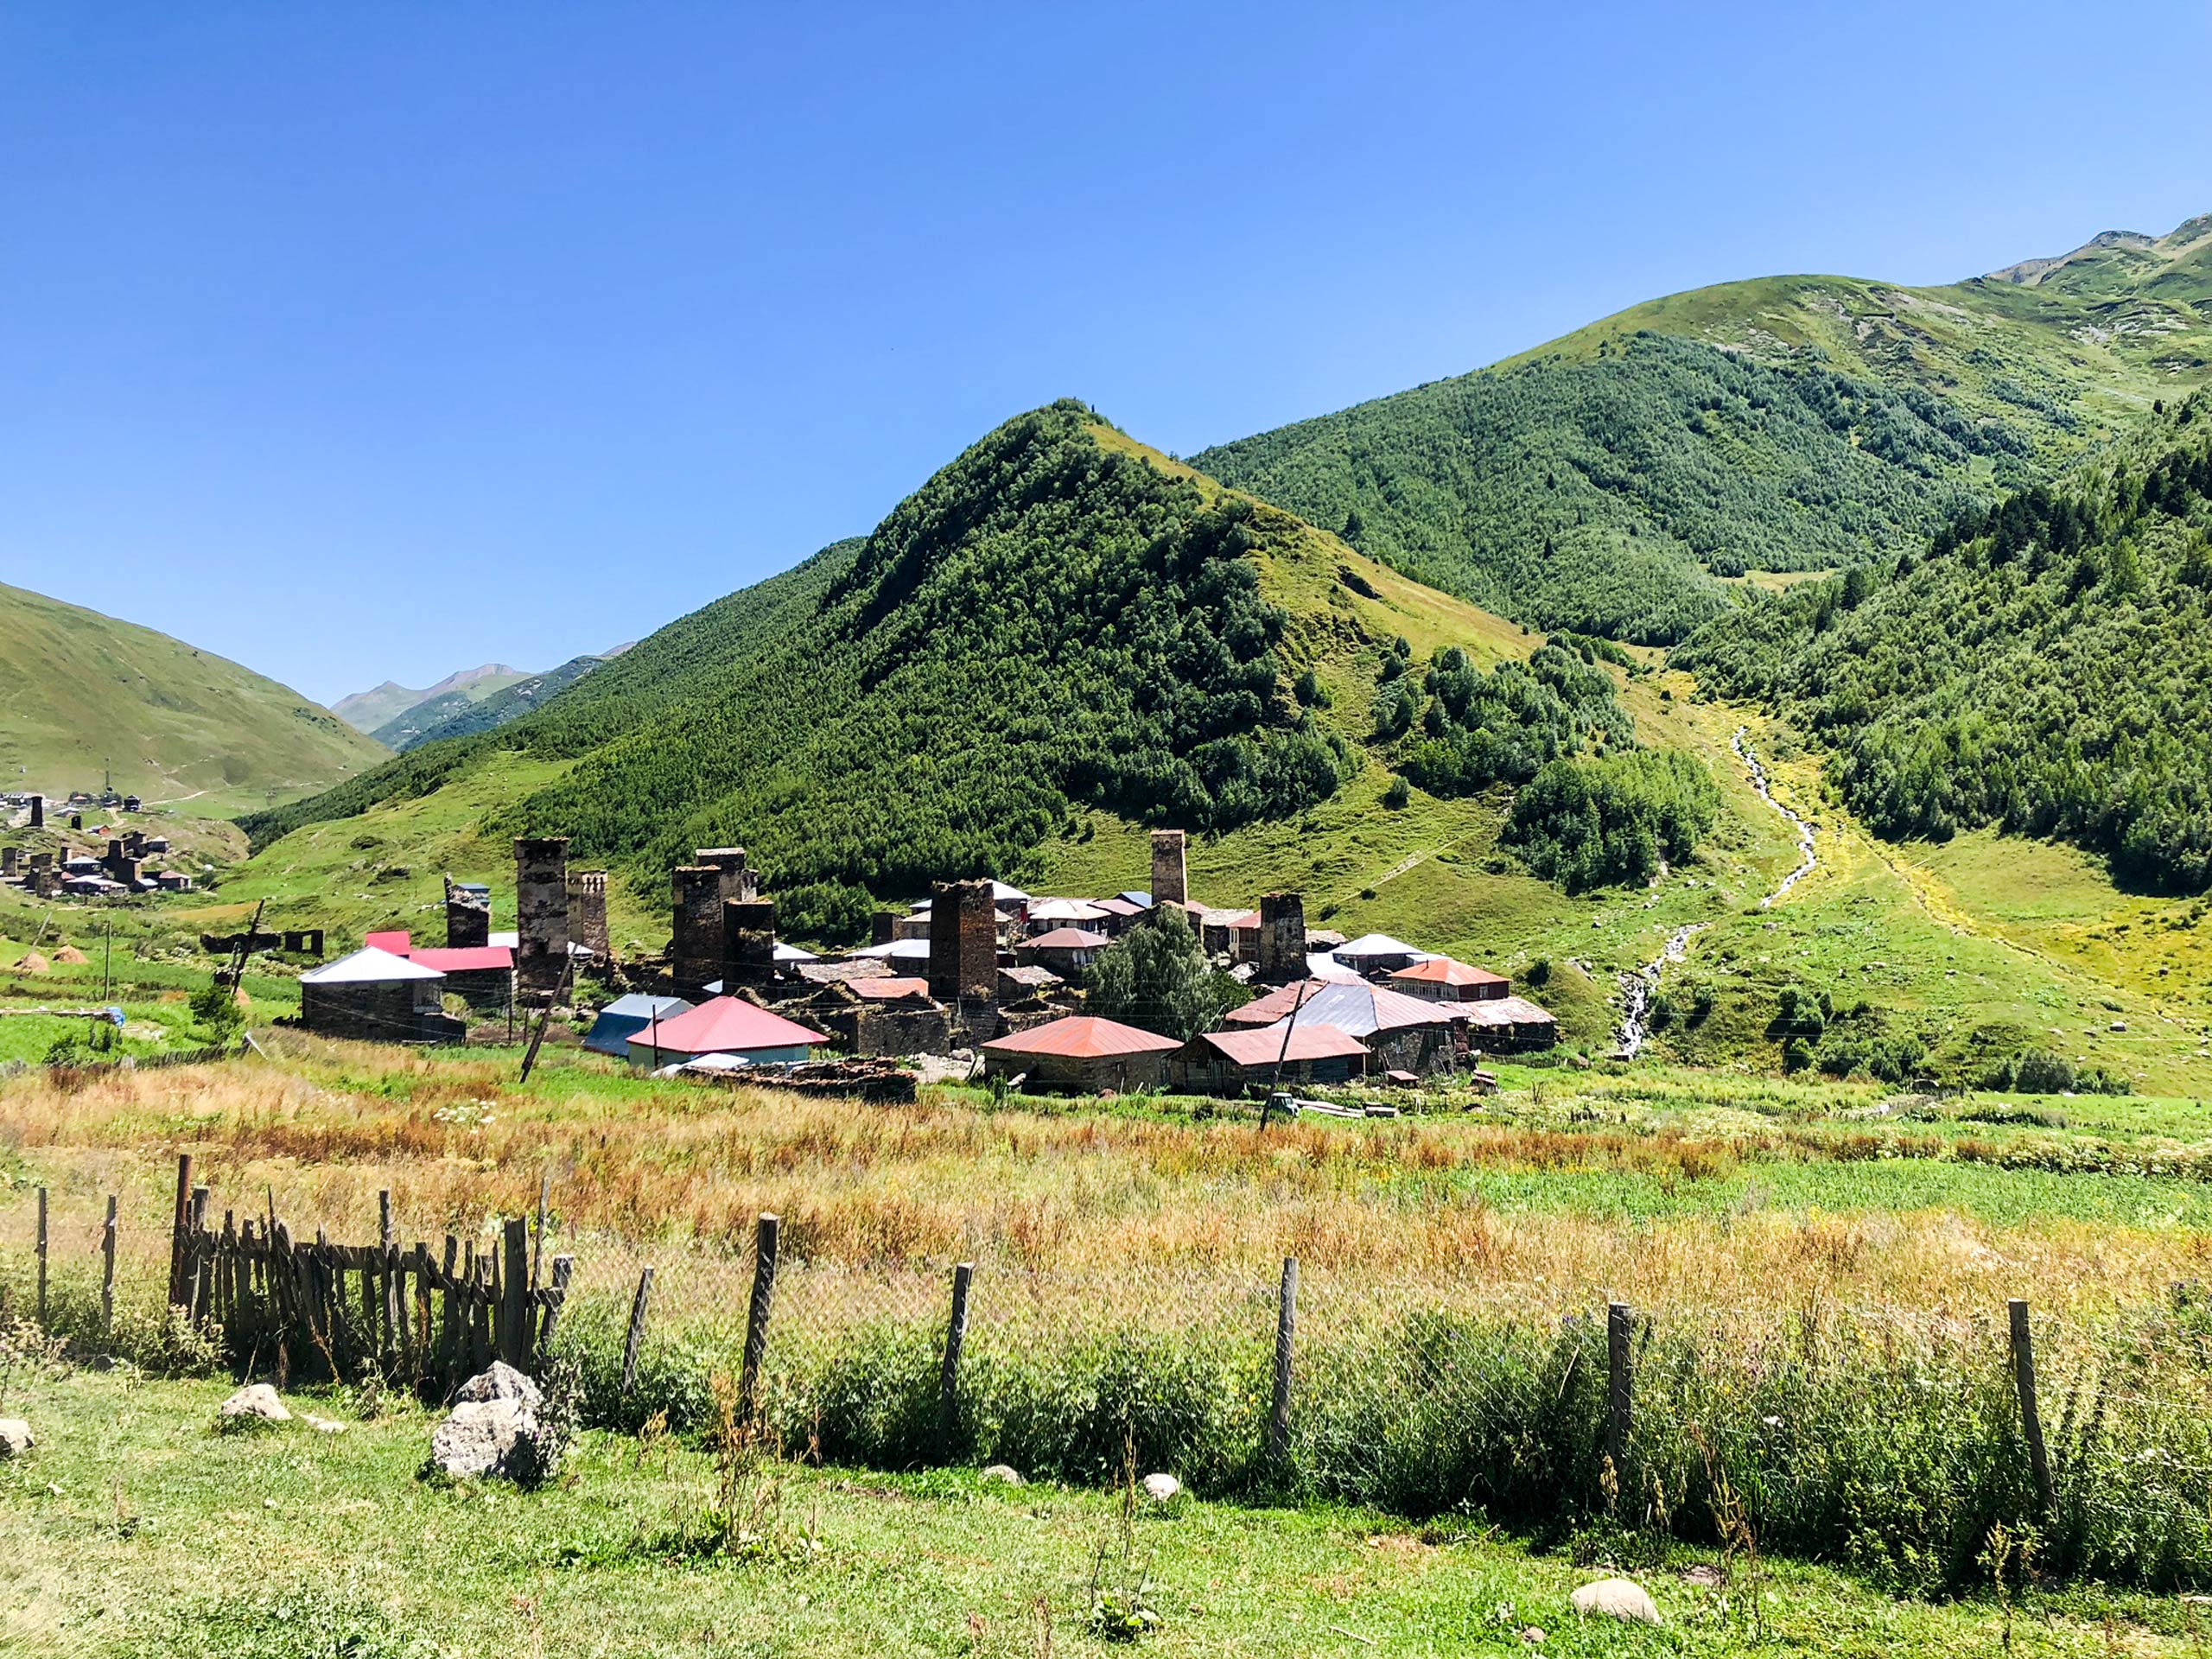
369	711
1059	619
83	697
1616	481
474	709
2041	666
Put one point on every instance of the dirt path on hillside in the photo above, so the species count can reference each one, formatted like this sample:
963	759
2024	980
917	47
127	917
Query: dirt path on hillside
1639	987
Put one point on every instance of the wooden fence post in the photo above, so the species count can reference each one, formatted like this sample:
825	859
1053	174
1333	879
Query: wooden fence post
42	1258
756	1318
555	1294
177	1224
2024	1375
198	1260
1620	1325
107	1268
637	1336
514	1287
1286	1340
956	1335
538	1246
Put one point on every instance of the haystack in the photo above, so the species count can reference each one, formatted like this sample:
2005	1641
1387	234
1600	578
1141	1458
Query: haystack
32	963
70	956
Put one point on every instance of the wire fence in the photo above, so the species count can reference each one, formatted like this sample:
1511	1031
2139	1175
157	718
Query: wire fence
1892	1438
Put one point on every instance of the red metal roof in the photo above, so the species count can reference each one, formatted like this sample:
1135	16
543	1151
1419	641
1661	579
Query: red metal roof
394	940
1067	939
888	986
727	1023
467	959
1081	1036
1442	970
1264	1046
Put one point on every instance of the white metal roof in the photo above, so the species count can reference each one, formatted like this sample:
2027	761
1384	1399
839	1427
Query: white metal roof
1378	944
367	966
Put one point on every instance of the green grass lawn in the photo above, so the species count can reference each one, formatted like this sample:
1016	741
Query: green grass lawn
134	1530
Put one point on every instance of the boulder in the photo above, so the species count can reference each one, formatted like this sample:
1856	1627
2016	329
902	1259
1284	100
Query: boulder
255	1401
485	1436
14	1436
1005	1474
498	1381
1621	1599
1160	1488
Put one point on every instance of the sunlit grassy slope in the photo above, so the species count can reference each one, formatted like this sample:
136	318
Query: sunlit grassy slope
83	697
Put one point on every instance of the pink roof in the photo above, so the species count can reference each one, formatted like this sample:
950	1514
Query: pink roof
1442	970
394	940
728	1022
890	986
1117	908
467	959
1081	1036
1068	939
1264	1046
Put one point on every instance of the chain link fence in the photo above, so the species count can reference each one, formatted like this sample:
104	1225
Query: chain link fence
1894	1439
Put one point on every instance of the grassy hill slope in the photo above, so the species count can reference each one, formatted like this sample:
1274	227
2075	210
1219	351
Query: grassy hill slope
82	694
1603	482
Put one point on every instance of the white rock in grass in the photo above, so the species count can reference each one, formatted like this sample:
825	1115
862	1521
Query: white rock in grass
484	1437
1621	1599
1004	1473
257	1399
1160	1488
498	1381
14	1436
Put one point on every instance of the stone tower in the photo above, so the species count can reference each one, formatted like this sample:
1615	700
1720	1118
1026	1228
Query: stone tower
748	943
1282	937
695	953
541	912
963	943
1169	886
588	912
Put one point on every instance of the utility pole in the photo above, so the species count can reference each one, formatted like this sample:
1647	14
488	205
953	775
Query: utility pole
107	964
1289	1025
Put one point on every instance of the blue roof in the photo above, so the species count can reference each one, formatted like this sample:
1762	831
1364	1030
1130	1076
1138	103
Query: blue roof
626	1015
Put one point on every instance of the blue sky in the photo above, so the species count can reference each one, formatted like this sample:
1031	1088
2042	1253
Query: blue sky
386	339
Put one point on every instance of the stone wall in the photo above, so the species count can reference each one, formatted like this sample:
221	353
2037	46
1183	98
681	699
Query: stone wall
588	912
748	943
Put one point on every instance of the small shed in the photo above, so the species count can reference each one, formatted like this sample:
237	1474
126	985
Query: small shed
1081	1054
1509	1023
1231	1062
729	1025
625	1016
375	996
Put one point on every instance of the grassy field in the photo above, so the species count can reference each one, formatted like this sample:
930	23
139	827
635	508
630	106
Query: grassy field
1777	1228
136	1530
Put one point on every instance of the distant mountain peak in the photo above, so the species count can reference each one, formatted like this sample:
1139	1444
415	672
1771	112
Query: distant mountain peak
2030	273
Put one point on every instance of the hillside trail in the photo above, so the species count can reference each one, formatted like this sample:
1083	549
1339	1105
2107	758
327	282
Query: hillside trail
1638	989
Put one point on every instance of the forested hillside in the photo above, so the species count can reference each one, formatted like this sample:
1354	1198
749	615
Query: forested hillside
2044	665
1604	495
1602	481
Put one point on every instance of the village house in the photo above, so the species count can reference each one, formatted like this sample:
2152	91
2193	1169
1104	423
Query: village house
744	1031
375	996
1439	979
1247	1058
1067	951
1400	1033
1081	1054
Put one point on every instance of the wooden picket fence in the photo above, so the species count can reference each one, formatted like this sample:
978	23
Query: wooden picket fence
311	1306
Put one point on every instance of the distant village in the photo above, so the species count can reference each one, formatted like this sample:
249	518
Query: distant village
112	863
979	970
